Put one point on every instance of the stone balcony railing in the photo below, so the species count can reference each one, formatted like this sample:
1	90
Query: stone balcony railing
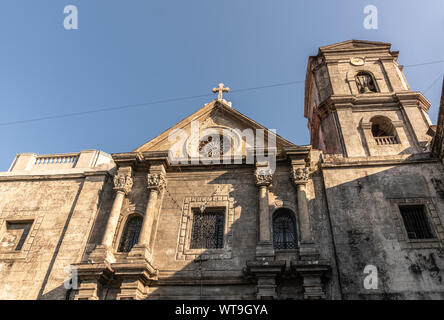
380	141
65	162
68	160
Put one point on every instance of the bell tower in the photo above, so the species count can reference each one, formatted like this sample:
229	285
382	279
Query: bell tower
358	102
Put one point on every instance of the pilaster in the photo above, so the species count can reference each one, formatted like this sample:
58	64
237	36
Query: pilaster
135	278
123	183
92	278
312	273
264	246
156	182
308	249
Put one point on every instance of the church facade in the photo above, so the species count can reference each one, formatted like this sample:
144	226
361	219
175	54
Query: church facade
238	212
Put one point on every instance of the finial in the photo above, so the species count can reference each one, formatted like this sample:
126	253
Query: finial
220	90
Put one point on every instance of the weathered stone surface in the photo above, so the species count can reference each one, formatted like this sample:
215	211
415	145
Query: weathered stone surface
343	194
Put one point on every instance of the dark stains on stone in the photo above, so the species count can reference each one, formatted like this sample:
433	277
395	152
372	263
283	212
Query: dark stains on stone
425	263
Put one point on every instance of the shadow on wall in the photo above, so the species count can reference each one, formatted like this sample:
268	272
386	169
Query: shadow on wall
366	226
209	277
60	291
369	229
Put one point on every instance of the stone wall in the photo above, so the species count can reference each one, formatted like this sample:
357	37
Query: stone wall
191	274
345	204
222	276
368	229
58	196
62	211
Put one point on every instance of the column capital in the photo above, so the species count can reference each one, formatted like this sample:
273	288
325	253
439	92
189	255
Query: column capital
300	175
263	176
123	182
156	181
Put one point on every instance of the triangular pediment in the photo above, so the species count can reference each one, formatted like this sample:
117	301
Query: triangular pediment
217	114
351	45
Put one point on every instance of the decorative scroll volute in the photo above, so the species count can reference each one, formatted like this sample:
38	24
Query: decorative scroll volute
263	177
123	183
300	175
156	181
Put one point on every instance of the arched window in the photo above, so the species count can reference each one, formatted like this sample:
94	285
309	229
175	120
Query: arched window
383	130
365	82
284	230
130	234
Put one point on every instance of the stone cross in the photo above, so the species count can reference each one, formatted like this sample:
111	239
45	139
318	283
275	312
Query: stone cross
220	90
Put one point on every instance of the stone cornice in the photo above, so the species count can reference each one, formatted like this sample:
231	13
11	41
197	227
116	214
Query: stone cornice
416	98
372	101
361	99
207	280
144	160
126	159
141	159
298	155
155	156
297	151
87	271
359	50
263	268
145	271
55	175
331	161
356	45
318	266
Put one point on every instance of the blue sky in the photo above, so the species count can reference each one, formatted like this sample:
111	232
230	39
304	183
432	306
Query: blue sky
132	52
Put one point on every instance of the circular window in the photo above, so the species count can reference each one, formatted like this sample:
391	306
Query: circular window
214	145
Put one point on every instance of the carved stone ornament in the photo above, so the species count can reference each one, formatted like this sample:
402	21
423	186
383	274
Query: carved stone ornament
156	181
357	61
278	203
263	177
300	175
123	182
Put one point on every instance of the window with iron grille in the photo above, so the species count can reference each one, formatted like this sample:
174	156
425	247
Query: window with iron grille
130	234
208	229
284	230
416	222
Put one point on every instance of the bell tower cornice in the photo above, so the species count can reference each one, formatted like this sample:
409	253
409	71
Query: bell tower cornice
358	102
372	101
